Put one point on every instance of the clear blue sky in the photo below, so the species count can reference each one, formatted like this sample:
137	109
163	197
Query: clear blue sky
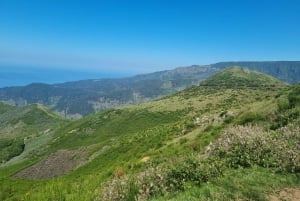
146	35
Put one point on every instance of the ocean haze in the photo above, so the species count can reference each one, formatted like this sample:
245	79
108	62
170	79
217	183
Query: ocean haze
21	76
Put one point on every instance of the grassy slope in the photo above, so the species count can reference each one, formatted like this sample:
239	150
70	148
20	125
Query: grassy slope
25	129
162	130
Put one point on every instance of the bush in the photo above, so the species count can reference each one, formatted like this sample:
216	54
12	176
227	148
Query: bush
192	170
283	104
288	109
294	97
249	117
245	146
138	187
183	140
228	120
157	181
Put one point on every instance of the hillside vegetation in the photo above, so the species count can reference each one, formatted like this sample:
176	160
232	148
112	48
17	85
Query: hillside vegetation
233	137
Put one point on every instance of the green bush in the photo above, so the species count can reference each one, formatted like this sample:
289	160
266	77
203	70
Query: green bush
192	170
294	97
183	140
283	104
249	117
288	109
228	120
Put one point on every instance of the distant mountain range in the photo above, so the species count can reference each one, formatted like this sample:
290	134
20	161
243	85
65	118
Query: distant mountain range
24	75
80	98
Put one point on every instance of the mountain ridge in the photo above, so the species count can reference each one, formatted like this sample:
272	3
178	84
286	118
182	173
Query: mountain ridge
80	98
237	76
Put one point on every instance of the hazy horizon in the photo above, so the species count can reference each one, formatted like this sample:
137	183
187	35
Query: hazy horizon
13	75
24	75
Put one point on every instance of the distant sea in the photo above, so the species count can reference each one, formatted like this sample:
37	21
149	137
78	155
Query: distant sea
21	76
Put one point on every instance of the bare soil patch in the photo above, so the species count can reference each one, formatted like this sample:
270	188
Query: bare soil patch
55	165
288	194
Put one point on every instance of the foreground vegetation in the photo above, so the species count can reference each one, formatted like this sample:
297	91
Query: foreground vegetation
209	142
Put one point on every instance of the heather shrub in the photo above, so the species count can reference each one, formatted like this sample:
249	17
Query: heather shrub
246	146
193	170
156	181
249	117
138	187
116	189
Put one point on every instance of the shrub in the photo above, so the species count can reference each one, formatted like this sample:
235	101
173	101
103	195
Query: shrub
246	146
228	120
249	117
183	140
288	109
294	97
138	187
283	104
192	170
157	181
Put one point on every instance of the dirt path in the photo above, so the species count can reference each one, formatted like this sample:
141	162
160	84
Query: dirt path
288	194
55	165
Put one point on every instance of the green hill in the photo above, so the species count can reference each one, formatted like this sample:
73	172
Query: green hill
241	77
19	125
204	143
287	71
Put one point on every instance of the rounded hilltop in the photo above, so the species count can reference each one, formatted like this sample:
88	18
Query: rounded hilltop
237	76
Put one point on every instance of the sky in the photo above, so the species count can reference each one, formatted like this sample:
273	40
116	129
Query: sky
141	36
